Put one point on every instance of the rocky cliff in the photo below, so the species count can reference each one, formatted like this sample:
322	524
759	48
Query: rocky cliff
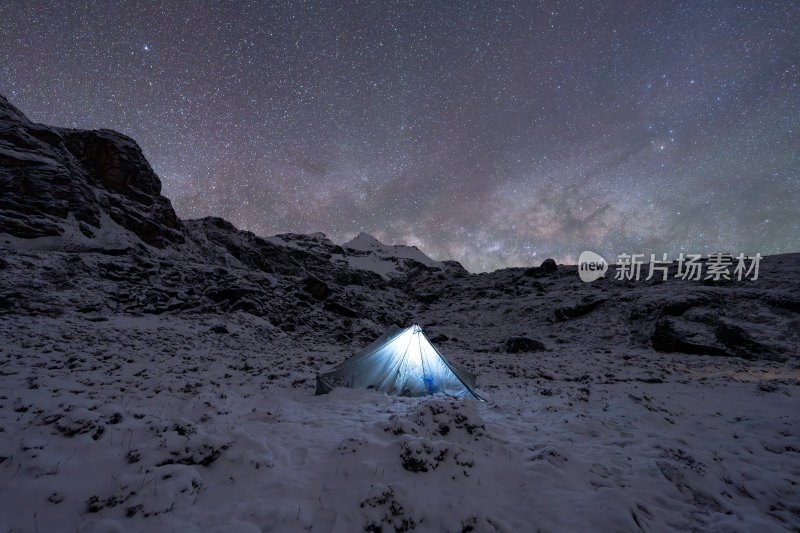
54	180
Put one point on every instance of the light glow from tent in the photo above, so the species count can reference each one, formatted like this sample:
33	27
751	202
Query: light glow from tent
401	362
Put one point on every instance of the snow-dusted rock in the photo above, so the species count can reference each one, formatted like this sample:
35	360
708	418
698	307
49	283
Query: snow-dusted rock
55	178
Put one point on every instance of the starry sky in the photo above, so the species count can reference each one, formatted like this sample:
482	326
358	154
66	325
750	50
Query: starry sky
493	133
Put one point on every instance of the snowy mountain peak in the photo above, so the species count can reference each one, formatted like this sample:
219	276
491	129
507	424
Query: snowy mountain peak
365	252
363	241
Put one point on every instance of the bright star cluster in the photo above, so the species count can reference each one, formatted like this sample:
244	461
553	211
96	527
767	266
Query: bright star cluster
494	133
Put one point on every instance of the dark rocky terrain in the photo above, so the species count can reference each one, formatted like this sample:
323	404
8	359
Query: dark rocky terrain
113	244
102	285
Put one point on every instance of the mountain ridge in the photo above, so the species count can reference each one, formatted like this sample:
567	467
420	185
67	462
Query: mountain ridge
85	187
82	212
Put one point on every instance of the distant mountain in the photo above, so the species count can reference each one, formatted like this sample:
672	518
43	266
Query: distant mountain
368	253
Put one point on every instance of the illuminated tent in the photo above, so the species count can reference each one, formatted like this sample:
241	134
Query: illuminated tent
402	362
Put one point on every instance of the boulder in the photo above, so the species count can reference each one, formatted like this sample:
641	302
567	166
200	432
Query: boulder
547	267
676	335
523	344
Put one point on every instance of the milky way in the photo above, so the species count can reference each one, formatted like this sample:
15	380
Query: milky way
497	134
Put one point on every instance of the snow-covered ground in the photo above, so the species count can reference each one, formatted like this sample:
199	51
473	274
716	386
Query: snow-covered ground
209	423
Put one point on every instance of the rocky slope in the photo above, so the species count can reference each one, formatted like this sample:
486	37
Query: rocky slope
83	210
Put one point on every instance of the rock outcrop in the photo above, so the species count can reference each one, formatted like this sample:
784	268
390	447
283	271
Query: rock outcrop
54	179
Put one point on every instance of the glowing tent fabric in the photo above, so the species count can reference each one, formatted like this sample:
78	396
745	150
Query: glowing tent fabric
401	362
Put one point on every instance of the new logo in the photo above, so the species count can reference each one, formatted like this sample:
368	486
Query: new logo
591	266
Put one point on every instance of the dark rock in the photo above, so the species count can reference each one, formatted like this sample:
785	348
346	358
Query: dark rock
547	267
412	268
741	342
113	252
363	278
8	300
573	311
10	113
304	297
339	309
523	344
28	227
785	301
655	308
428	298
219	328
706	325
219	223
680	306
316	288
231	295
216	236
246	305
86	229
670	335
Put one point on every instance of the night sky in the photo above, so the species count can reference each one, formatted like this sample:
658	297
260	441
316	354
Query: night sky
494	133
